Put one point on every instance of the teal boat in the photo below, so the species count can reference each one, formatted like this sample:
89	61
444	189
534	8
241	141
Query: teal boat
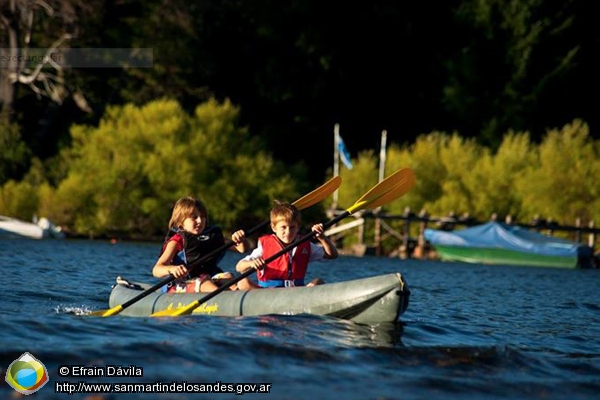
498	243
371	300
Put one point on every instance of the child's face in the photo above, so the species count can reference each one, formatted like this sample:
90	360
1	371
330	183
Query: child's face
194	223
286	231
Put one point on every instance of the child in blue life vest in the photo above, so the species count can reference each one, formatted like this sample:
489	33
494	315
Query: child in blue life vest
190	239
289	269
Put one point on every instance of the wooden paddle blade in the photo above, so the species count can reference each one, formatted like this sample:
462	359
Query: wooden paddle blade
194	304
117	309
406	181
106	313
319	194
386	191
176	312
169	312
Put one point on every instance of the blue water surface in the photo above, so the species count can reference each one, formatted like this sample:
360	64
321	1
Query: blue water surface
470	332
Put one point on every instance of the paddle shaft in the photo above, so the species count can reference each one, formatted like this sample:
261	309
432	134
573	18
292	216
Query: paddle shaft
275	256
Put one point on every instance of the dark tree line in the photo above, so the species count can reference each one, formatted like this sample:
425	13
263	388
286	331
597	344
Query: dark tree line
296	68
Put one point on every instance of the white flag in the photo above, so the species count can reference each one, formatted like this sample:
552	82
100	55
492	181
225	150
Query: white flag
344	155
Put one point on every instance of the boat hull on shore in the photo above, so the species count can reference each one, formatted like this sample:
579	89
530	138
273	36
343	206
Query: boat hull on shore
15	228
496	243
371	300
504	257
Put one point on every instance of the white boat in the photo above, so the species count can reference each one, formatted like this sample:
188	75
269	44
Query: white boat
16	228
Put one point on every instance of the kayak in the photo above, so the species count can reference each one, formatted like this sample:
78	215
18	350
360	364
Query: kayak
369	300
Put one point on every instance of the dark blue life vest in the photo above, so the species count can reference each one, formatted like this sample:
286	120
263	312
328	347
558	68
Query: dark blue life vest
195	247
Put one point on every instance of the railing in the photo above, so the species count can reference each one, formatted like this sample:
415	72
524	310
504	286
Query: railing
411	247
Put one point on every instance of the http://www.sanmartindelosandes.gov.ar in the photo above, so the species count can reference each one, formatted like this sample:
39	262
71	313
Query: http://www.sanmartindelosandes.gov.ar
26	374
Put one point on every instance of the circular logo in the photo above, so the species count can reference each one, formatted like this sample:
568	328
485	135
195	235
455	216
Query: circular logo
26	374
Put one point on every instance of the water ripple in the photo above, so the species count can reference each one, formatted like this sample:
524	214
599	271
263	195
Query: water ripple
470	332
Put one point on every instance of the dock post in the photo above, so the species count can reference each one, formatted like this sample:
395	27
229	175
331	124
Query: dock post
420	250
405	248
377	235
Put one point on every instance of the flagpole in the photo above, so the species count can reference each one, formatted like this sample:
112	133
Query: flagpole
336	161
382	158
382	155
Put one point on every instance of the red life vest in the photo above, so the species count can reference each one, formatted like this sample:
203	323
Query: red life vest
278	269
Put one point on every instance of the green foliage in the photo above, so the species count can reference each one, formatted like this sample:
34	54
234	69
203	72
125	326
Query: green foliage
14	154
563	182
125	174
459	157
492	181
503	71
443	165
554	180
424	158
18	200
358	180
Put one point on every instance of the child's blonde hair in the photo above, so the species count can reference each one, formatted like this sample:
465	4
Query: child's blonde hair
184	207
285	212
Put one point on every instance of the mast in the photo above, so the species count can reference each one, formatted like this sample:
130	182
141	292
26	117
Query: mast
336	161
382	155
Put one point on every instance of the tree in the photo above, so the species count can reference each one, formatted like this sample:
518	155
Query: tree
563	182
37	70
493	180
512	56
14	154
125	174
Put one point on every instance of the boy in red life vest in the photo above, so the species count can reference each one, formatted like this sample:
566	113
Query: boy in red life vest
188	241
290	268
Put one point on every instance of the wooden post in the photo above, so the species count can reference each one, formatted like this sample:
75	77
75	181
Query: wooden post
405	250
382	158
537	222
377	236
550	227
592	237
578	231
420	250
361	232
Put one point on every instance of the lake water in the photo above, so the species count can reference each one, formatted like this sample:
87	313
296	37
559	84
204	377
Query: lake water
470	332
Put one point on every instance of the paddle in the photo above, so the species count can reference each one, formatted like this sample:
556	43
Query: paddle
391	188
314	197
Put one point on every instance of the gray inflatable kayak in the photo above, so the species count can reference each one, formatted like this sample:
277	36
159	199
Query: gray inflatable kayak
371	300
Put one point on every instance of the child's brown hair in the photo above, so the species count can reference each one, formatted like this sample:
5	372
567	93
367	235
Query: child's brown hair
183	208
287	212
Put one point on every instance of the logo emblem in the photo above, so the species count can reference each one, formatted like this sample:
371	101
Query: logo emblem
26	374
